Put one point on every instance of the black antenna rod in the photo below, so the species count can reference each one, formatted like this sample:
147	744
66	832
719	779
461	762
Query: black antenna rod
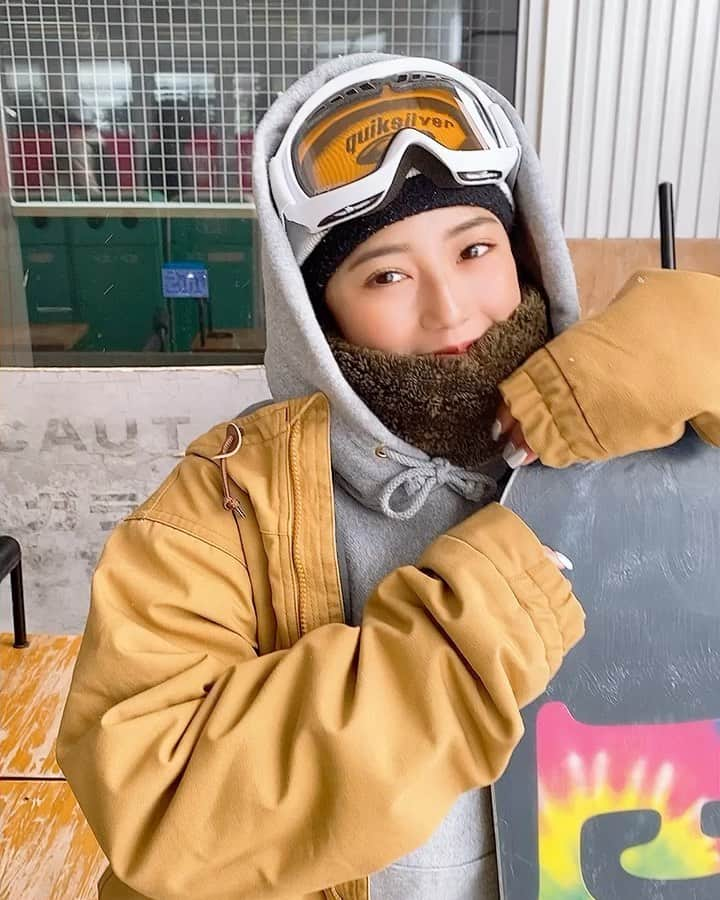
667	225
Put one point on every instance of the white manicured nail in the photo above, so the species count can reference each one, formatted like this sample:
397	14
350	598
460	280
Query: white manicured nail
495	430
513	455
566	562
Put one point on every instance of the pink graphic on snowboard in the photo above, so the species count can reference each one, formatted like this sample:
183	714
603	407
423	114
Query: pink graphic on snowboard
587	770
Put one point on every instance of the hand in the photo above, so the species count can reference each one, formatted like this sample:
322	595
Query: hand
516	451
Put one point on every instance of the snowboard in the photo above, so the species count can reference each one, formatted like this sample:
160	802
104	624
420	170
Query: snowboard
614	791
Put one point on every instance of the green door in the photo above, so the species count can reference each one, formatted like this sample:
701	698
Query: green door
117	264
47	270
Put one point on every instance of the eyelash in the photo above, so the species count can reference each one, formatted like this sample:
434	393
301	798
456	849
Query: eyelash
485	244
372	282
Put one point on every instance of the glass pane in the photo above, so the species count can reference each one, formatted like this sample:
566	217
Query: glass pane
123	290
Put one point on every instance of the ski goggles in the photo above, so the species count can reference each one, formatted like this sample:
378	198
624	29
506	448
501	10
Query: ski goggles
352	143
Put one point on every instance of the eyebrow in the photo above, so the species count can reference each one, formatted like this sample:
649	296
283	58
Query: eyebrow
403	248
471	223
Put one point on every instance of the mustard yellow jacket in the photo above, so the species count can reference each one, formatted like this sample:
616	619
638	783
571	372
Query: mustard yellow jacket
228	737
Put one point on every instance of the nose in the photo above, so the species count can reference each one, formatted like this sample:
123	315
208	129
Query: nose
442	308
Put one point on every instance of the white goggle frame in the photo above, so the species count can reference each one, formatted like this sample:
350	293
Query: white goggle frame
494	166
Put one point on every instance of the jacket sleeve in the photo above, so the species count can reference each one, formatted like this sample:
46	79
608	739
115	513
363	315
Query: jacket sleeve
209	771
628	379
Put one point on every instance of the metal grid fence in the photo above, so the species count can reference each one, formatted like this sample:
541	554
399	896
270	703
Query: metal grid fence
147	105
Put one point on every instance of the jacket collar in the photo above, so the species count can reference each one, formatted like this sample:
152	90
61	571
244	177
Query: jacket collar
279	473
393	478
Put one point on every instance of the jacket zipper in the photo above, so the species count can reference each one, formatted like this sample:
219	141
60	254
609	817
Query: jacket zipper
298	565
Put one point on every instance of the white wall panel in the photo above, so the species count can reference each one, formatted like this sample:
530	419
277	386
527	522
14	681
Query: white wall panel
624	157
703	86
556	90
682	68
650	121
619	96
521	57
580	124
532	65
605	120
709	204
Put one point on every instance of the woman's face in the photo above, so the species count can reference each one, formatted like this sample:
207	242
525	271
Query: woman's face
432	283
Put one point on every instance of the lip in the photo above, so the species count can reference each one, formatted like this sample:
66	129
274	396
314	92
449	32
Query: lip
455	349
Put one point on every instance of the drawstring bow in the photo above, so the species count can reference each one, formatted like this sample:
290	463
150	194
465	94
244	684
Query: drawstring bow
420	477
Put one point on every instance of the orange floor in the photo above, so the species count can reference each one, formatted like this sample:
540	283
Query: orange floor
47	850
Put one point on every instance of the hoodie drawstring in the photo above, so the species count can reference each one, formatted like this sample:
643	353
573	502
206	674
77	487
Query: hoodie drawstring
231	445
421	477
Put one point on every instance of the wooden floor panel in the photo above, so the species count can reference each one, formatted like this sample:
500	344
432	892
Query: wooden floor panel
47	850
34	683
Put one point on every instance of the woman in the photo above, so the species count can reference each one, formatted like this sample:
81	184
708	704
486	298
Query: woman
307	652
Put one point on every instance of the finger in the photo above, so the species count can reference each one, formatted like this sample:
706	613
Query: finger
560	560
503	421
518	439
517	451
552	557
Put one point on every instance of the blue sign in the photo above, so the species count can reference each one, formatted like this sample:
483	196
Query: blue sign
188	279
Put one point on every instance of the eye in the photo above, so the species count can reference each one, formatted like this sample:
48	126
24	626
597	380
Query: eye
474	251
387	277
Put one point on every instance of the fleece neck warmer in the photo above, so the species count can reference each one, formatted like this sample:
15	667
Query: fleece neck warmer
445	405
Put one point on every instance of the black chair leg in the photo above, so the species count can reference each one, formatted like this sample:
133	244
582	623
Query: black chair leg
11	564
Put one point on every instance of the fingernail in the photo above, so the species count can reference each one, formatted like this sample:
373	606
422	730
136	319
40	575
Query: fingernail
567	563
495	430
513	455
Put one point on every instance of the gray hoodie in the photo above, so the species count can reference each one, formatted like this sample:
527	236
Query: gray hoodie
391	499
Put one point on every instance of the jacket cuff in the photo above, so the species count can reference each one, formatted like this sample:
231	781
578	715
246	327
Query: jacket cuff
558	617
542	401
536	582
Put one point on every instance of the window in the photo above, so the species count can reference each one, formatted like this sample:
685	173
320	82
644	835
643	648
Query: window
127	133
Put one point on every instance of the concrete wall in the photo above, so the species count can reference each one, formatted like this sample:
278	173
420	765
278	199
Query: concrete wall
79	449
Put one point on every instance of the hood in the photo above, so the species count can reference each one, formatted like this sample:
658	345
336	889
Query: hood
298	359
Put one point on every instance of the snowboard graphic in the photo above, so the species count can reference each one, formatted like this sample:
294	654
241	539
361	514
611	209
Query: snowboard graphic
614	791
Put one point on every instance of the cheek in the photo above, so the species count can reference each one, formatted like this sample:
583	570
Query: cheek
511	292
499	288
378	323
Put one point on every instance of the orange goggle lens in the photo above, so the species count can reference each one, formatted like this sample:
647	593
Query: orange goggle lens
351	137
